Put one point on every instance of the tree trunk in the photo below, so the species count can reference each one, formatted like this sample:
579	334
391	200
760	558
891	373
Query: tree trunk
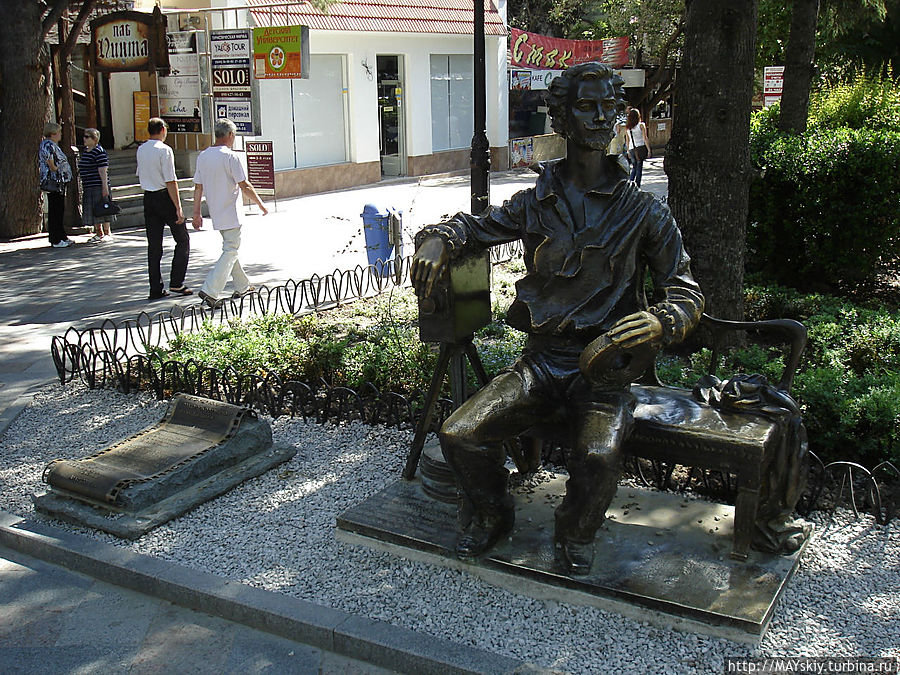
72	213
798	66
23	113
708	157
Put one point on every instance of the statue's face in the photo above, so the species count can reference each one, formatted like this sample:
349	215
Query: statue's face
593	114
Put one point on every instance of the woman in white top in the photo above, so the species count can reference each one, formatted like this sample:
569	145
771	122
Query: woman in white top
638	148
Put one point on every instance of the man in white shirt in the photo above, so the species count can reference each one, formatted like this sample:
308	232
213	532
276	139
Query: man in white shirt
162	206
222	178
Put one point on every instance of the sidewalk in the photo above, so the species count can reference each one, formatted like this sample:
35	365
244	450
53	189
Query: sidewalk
72	621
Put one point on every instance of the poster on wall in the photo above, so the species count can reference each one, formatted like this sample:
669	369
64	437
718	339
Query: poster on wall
281	52
232	86
521	152
179	92
141	104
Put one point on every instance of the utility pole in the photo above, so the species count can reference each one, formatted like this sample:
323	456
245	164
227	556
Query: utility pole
481	156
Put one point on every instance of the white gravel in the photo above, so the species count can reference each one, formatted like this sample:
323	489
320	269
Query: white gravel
277	532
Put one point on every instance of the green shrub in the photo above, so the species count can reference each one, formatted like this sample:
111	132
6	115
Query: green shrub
824	212
863	103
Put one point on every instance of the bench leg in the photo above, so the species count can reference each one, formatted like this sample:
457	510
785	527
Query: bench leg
745	506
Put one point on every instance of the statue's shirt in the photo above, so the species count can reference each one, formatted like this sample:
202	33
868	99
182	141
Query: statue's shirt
580	281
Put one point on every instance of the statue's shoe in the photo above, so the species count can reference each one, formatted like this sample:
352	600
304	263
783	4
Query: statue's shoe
483	532
577	558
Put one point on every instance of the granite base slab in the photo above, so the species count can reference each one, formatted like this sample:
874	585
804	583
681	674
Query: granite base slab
659	558
134	524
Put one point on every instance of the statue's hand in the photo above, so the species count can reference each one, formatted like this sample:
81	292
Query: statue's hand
636	329
428	264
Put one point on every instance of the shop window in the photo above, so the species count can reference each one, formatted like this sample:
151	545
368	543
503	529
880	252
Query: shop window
452	104
311	130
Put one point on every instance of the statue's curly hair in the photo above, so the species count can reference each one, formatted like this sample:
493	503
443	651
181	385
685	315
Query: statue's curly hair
561	88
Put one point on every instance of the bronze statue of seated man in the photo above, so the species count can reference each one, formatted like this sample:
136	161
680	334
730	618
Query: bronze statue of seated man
589	236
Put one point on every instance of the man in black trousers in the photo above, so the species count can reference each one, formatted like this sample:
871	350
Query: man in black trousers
162	206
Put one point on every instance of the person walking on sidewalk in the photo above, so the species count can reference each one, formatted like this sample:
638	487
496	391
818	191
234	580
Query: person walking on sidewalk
162	206
93	167
638	145
222	178
55	172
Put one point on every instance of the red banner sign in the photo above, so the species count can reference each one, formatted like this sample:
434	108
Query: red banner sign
530	50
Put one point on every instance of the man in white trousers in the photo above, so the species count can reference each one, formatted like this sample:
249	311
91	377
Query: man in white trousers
221	177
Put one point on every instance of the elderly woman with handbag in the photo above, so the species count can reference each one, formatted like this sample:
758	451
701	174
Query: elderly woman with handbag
93	166
55	172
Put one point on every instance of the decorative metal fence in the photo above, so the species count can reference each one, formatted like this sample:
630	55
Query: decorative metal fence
119	355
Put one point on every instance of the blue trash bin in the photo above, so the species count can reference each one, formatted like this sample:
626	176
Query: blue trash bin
375	228
383	229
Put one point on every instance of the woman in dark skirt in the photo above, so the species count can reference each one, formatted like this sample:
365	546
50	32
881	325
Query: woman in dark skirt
93	167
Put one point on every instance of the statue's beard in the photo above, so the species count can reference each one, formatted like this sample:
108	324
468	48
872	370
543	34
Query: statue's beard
598	139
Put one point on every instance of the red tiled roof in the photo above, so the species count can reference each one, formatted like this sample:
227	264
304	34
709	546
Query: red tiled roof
452	17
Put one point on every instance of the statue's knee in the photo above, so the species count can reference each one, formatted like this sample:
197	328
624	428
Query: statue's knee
455	431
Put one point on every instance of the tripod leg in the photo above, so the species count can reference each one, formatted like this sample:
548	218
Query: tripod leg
475	360
434	390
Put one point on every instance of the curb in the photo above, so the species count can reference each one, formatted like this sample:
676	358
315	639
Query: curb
376	642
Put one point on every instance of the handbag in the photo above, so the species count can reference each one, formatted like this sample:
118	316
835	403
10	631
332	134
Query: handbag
52	184
642	152
106	208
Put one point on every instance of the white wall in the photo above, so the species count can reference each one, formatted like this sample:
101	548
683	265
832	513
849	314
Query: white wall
416	51
121	101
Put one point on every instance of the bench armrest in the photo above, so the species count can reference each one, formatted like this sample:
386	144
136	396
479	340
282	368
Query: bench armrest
794	332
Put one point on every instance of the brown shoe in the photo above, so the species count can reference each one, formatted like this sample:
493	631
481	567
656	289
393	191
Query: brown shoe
210	301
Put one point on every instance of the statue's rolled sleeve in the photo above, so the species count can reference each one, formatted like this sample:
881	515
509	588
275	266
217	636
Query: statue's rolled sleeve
681	303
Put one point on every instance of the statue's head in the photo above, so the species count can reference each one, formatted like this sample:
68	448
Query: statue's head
584	102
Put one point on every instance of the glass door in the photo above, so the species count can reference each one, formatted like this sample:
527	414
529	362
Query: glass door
391	117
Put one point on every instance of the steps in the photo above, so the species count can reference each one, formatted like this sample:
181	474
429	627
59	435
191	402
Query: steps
128	194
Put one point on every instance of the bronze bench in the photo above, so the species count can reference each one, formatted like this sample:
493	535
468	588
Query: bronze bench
673	426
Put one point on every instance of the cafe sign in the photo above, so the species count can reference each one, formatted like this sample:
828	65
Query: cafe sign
129	42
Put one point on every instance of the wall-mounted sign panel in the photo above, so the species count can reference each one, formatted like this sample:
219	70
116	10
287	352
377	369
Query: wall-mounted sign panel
179	92
281	52
233	88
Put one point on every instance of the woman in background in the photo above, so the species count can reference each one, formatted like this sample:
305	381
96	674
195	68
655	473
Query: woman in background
93	167
638	147
54	165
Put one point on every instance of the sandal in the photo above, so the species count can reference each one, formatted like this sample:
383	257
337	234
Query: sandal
184	290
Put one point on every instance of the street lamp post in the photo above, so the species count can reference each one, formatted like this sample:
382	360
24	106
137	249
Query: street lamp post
480	157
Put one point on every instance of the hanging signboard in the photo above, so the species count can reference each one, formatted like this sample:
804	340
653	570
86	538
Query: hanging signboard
530	50
232	85
179	92
261	166
129	42
773	83
281	52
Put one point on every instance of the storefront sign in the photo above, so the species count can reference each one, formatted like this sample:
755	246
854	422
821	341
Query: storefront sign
261	166
128	42
773	83
179	92
520	79
141	100
530	50
281	52
232	86
541	79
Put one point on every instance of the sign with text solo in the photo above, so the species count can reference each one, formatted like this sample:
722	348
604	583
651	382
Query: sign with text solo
232	84
261	166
